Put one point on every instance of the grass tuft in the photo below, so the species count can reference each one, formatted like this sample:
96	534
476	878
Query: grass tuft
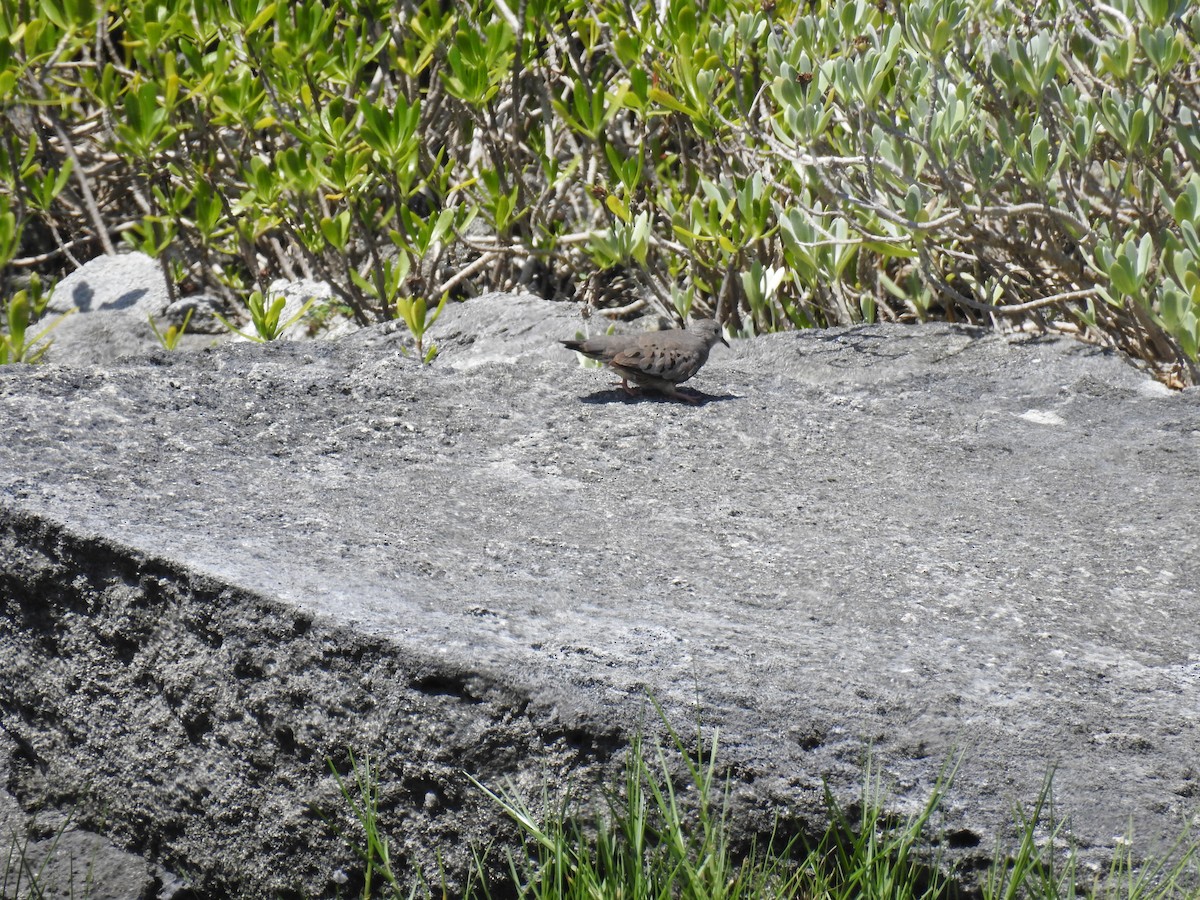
665	832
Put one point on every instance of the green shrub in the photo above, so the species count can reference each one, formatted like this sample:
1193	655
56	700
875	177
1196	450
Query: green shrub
781	163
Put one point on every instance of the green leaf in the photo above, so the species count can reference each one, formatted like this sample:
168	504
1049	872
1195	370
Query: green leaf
1156	11
912	203
1144	256
891	251
614	205
662	98
264	16
18	318
337	230
362	284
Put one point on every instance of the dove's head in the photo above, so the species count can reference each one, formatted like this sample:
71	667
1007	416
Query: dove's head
710	331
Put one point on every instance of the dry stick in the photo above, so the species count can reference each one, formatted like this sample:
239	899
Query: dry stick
1010	309
376	262
1015	308
85	189
65	247
319	269
548	207
517	24
507	14
662	301
245	247
281	257
1119	331
1041	209
165	267
723	300
619	312
1163	343
464	273
936	281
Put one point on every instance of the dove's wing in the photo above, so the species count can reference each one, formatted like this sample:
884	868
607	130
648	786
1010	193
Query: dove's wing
673	356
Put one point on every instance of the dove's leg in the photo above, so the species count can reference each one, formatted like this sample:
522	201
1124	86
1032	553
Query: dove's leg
623	384
667	389
671	391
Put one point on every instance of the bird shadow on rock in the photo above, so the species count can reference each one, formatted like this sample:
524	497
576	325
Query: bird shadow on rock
619	396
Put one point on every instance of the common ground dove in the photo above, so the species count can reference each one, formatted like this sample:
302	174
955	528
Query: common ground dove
655	359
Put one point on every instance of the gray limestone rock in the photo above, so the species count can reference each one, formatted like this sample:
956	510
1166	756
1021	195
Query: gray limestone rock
105	308
127	283
221	570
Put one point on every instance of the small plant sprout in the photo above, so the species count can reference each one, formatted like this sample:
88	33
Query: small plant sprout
16	345
266	319
361	796
170	338
414	312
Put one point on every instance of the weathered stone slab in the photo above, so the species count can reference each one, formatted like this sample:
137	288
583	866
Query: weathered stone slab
220	568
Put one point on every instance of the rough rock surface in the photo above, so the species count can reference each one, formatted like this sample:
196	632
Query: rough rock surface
106	306
104	309
220	569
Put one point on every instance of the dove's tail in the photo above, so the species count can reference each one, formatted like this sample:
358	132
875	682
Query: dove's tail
581	347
